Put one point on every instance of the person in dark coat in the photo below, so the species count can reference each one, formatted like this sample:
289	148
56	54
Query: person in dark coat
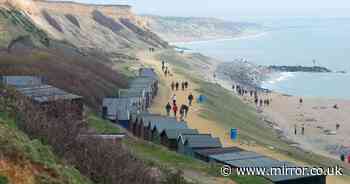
183	86
177	86
186	84
172	86
256	101
185	109
342	157
190	99
168	109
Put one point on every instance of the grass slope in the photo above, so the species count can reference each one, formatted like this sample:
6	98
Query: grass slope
31	156
102	126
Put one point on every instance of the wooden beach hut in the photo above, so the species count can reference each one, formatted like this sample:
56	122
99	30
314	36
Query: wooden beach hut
204	154
246	159
169	137
119	110
21	81
189	143
56	102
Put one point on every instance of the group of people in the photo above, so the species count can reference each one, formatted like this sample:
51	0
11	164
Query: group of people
176	85
165	69
259	101
343	157
184	109
302	129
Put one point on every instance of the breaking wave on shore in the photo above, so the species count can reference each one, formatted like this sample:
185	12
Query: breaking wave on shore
278	77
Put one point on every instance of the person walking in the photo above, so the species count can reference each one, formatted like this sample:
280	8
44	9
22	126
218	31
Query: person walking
301	101
256	101
186	109
163	66
183	86
182	113
186	84
175	109
337	126
295	129
168	109
190	99
172	86
342	157
303	130
174	99
177	86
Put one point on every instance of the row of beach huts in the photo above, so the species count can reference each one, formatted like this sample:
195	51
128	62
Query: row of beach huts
130	110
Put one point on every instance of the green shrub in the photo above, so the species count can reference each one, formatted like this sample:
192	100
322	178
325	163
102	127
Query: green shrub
3	180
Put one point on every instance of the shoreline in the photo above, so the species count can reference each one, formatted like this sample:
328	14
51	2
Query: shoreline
237	37
317	114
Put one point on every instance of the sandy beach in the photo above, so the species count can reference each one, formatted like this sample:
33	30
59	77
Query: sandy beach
317	115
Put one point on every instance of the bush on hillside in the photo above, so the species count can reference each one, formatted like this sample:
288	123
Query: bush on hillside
3	180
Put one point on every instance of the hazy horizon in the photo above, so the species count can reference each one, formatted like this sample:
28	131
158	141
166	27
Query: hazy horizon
233	9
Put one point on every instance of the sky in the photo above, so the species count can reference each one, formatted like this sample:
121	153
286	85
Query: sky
236	8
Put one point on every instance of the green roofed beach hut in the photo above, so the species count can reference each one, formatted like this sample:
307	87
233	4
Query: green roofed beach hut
189	143
169	137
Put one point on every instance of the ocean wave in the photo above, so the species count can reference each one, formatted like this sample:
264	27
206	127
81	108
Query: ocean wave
280	77
240	37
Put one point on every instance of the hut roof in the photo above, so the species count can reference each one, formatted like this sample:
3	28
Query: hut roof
131	93
236	156
161	125
268	163
143	80
175	133
120	107
218	151
18	81
148	72
46	93
200	141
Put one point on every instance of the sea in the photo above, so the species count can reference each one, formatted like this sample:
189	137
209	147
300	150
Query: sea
292	41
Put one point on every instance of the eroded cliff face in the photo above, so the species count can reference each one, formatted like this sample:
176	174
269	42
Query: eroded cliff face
102	27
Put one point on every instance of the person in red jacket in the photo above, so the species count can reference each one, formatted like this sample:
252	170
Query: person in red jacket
175	109
349	158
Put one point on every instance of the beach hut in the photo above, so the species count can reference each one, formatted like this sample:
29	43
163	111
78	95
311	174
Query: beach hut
246	159
56	102
148	72
136	96
169	137
204	154
118	110
21	81
145	82
140	124
165	123
189	143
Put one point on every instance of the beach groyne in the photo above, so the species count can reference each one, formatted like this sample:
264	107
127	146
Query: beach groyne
313	69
